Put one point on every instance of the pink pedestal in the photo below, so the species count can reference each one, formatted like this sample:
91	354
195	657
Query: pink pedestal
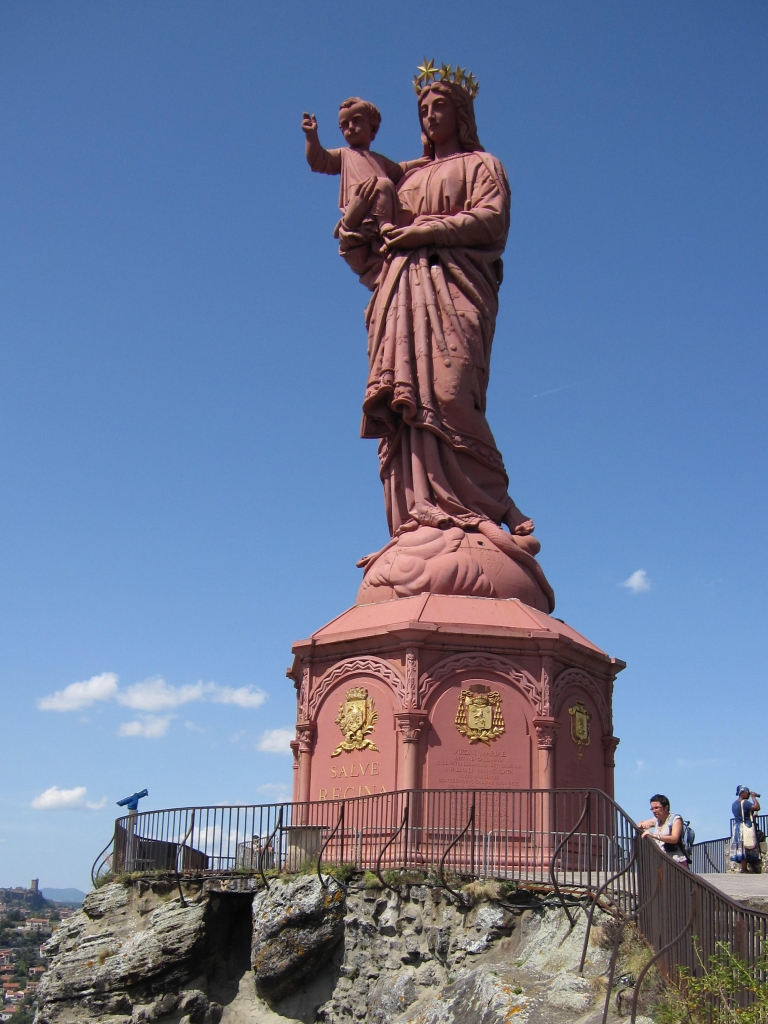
413	661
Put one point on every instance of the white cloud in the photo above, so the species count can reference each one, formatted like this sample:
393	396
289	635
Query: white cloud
55	799
243	696
157	695
638	582
149	727
276	741
151	696
641	767
278	790
81	695
193	727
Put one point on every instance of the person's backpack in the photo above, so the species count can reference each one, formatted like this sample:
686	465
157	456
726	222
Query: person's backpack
687	839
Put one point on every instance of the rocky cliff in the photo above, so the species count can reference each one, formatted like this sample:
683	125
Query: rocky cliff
299	952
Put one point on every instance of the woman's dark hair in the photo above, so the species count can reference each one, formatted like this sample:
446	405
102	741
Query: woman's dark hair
374	114
659	798
465	117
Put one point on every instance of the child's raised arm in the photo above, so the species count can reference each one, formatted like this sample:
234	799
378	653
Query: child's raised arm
319	159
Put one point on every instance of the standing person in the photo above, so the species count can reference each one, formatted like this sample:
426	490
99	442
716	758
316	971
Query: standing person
665	829
745	849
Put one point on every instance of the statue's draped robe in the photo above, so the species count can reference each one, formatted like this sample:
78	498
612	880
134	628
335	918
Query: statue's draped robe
431	322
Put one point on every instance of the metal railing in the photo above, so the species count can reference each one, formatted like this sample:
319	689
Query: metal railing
512	834
577	844
710	857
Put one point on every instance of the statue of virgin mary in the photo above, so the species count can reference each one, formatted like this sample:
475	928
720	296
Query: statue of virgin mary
431	321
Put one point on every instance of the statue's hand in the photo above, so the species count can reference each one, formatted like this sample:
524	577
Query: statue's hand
359	205
525	528
309	124
413	237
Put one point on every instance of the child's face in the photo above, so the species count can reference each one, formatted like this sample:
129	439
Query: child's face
356	127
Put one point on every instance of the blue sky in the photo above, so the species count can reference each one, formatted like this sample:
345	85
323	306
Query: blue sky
182	361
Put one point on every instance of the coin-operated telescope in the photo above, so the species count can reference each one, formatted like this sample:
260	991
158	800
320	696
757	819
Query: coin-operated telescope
132	802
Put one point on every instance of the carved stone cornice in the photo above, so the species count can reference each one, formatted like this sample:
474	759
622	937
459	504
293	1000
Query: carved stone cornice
295	751
609	748
305	733
546	732
410	724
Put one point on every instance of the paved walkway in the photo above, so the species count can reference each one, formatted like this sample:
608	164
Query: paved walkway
749	889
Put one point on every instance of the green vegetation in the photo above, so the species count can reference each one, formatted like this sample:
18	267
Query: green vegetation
718	995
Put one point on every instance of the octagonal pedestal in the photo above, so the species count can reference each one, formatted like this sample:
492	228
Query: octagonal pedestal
448	692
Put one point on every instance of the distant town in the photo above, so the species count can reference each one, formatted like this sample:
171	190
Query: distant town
27	921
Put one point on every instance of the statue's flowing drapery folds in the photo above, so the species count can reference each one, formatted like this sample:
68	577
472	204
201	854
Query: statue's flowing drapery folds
431	323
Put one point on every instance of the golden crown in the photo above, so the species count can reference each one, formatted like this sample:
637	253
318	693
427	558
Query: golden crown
428	74
357	693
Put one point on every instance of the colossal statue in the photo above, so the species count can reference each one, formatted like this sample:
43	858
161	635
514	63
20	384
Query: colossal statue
428	242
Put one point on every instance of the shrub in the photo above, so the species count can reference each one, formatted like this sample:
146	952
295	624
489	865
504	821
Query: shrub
715	997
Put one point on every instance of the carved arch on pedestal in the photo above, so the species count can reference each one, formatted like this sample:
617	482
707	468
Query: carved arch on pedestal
576	678
496	663
377	668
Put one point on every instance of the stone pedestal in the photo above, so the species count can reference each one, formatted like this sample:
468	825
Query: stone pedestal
449	692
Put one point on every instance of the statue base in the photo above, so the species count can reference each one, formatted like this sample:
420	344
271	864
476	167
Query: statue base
450	692
455	562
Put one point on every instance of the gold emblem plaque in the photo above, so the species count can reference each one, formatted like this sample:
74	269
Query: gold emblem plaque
479	716
356	719
580	718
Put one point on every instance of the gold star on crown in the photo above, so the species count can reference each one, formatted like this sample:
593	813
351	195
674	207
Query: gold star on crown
428	74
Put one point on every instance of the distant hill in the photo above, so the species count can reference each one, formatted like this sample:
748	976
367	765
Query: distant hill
64	895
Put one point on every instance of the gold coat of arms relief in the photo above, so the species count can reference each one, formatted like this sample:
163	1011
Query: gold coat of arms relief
580	719
479	716
356	719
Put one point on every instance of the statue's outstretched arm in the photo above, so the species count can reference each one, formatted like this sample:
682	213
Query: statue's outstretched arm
324	161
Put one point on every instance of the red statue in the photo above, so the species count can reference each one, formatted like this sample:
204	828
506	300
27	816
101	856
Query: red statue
426	237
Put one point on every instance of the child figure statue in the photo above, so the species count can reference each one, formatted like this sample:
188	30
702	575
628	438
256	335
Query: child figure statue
367	195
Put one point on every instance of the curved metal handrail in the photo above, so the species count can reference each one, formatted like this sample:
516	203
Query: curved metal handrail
440	870
387	845
623	922
101	859
180	851
555	855
263	849
340	822
661	952
598	894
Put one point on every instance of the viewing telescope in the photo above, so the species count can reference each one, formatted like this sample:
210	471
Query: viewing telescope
132	802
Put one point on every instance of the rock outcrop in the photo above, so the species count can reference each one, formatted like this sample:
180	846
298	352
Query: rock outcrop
302	952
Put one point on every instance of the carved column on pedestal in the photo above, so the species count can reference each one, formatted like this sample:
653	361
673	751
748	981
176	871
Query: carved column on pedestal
294	744
409	726
609	748
546	736
411	678
305	733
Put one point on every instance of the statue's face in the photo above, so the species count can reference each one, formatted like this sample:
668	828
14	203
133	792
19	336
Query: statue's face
438	117
356	127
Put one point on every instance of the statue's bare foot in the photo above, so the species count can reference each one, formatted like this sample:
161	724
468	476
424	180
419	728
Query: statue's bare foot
518	523
528	543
